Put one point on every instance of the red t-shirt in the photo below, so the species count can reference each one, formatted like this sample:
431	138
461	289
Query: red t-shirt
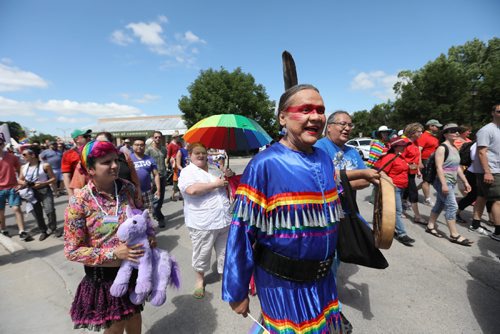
70	160
411	154
172	150
9	165
429	143
396	170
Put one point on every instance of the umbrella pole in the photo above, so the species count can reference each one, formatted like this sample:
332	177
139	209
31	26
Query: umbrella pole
227	146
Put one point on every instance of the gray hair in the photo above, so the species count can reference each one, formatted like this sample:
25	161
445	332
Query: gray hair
287	96
332	117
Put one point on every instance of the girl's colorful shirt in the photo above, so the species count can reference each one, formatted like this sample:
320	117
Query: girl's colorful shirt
88	237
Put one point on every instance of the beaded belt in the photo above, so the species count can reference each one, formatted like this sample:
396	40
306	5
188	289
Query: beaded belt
291	269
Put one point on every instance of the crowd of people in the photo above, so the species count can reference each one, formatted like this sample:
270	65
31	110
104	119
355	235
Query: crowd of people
288	199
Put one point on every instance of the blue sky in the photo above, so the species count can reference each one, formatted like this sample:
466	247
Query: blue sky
63	64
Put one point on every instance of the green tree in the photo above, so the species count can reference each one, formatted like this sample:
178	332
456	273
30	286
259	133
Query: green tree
223	92
458	87
369	121
42	137
15	129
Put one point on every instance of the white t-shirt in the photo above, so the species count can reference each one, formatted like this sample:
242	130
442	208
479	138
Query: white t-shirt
209	211
489	136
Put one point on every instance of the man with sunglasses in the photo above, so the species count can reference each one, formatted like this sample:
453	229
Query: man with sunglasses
71	158
488	180
159	153
9	166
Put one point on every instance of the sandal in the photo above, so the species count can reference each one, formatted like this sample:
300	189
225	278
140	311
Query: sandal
463	242
434	232
199	293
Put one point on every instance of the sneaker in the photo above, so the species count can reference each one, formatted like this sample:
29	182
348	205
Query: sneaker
405	240
5	232
481	230
428	202
24	235
28	238
495	236
43	236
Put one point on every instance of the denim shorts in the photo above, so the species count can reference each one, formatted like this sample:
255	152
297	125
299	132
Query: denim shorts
10	195
446	202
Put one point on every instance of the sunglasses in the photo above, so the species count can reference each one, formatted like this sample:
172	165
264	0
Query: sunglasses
452	130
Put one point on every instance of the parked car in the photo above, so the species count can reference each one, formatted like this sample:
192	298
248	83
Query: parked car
362	145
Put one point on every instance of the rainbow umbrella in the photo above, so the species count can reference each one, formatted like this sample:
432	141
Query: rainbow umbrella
228	131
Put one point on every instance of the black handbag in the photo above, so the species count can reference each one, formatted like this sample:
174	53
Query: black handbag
356	243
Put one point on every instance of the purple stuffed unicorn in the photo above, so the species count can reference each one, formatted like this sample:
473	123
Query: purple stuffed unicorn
156	269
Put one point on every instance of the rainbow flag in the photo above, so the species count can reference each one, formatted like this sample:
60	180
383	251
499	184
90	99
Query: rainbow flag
257	328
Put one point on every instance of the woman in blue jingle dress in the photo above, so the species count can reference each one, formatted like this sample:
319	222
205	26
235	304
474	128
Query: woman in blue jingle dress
284	227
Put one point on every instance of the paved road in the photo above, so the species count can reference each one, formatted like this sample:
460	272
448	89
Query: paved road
433	287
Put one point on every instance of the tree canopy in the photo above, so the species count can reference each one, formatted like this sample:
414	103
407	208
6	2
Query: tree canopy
460	87
223	92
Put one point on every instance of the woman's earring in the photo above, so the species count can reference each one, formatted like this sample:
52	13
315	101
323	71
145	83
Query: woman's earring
283	131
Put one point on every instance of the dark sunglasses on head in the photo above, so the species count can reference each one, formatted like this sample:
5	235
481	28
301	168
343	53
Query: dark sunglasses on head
452	130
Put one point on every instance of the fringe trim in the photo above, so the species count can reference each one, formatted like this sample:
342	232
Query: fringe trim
287	216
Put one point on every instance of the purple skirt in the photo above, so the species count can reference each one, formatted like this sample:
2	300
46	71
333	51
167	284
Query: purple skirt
93	307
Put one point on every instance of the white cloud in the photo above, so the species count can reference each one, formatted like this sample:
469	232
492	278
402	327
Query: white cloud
66	111
162	19
192	38
148	33
12	79
10	108
152	35
146	98
362	81
70	108
73	120
377	83
121	38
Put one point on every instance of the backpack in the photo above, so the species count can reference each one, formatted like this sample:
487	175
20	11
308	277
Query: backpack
429	173
465	159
